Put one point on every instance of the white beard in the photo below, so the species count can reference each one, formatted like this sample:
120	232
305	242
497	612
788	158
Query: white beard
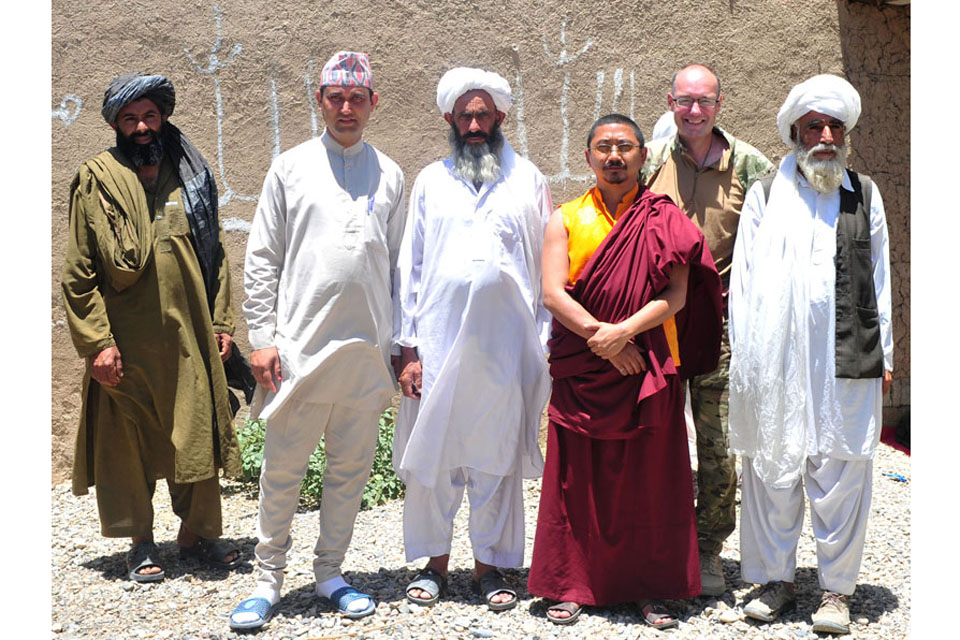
477	163
825	176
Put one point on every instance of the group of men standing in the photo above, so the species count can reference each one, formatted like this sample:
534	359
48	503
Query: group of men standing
681	243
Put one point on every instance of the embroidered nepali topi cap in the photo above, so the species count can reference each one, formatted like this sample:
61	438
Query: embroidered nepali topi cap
460	80
825	93
347	68
128	87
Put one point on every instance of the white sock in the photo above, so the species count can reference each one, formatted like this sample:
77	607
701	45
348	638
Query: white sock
261	591
326	588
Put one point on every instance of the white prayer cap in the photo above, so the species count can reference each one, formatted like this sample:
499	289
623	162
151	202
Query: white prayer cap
666	126
827	94
460	80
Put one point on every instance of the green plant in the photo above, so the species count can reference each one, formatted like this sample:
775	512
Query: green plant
383	484
251	438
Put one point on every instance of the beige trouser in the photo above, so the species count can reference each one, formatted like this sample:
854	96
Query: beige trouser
771	521
496	516
350	440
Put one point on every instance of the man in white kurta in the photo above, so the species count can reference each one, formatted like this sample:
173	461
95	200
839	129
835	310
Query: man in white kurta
319	277
793	415
474	377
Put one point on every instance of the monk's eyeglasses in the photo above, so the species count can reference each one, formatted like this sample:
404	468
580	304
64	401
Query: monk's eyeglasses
686	102
623	148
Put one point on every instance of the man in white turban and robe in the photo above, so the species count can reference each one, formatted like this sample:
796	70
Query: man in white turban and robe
812	355
319	277
473	370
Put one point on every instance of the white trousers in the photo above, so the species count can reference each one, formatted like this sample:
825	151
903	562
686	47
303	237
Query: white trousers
771	521
496	516
350	441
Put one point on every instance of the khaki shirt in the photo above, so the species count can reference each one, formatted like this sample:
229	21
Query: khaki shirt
711	196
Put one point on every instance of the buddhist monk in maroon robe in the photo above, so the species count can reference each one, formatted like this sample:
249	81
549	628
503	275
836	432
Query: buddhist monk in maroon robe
636	304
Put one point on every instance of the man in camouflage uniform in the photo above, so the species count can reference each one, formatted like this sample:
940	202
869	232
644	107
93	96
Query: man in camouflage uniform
707	172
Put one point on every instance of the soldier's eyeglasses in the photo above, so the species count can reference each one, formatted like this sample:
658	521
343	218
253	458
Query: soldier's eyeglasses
686	102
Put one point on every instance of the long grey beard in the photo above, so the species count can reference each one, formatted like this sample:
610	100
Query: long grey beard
477	163
825	176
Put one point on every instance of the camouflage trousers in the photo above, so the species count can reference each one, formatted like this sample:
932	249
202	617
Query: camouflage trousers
716	468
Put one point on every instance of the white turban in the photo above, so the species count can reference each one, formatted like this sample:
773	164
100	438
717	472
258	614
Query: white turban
457	82
666	127
827	94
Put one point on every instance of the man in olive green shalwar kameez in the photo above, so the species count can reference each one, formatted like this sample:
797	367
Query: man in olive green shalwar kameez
147	293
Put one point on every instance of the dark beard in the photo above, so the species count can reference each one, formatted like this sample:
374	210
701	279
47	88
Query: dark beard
477	162
141	155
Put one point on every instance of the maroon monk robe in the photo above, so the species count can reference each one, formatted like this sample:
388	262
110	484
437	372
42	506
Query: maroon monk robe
616	520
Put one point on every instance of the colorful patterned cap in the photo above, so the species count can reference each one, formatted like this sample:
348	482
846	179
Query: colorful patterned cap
347	68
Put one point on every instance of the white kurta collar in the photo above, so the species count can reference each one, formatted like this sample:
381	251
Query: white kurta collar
338	148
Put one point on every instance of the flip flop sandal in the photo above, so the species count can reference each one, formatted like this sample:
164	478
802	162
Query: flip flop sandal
490	584
212	552
342	597
572	608
430	581
259	606
656	618
141	556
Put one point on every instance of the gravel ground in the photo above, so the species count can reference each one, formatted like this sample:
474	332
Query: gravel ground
92	598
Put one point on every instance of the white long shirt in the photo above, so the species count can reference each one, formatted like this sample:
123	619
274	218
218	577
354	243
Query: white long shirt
472	306
320	273
838	417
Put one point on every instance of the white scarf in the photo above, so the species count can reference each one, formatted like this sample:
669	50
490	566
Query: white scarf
769	365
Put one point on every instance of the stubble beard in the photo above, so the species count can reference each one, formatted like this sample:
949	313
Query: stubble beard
824	175
476	162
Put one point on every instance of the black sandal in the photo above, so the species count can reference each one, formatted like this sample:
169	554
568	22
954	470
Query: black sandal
140	557
212	552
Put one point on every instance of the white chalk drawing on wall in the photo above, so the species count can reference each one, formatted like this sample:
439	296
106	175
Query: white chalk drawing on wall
214	65
69	109
311	97
562	60
71	106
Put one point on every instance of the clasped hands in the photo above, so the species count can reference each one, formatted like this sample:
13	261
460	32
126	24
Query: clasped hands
613	343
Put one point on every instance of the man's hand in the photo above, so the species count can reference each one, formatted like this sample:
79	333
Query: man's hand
225	344
107	367
265	364
411	373
887	381
629	362
608	339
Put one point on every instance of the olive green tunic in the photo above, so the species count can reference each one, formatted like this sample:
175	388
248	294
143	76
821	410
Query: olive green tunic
131	279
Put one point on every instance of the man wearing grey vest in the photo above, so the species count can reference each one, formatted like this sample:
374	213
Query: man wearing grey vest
811	355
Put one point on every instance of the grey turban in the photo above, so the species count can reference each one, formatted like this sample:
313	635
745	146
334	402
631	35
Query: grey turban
128	87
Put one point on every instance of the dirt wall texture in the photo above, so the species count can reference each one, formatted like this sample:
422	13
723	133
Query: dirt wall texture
245	73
